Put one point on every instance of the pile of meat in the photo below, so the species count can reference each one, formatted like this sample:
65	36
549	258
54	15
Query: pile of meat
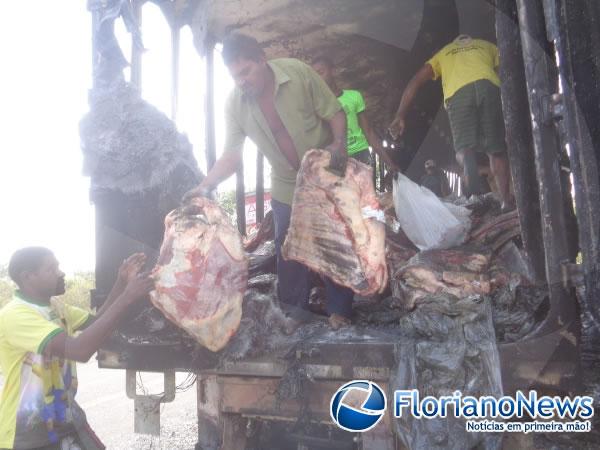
488	264
330	231
202	272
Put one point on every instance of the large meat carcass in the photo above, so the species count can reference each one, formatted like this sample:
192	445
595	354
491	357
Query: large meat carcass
202	273
329	228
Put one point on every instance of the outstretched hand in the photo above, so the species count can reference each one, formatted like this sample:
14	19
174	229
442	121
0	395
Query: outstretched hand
199	191
137	288
131	267
397	127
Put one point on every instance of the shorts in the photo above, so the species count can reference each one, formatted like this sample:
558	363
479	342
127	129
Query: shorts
476	120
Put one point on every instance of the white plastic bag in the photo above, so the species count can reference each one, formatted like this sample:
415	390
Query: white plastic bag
427	221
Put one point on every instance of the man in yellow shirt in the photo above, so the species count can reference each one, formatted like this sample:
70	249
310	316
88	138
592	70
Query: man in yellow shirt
470	84
38	347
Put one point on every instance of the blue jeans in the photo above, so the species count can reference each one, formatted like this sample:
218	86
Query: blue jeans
293	286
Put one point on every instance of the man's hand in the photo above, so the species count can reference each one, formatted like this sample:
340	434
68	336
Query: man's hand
200	191
137	289
339	159
131	267
396	128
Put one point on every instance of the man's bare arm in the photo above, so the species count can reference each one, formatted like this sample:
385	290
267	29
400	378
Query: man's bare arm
339	154
424	74
338	129
374	142
82	347
223	169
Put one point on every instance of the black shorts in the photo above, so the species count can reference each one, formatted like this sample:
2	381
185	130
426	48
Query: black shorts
364	156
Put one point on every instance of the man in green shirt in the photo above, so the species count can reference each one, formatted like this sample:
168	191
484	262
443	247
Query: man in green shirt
360	133
286	109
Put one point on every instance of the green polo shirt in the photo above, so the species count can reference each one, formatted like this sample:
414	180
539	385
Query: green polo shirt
304	103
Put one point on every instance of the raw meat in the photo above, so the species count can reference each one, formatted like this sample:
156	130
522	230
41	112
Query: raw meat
202	273
266	232
459	272
328	232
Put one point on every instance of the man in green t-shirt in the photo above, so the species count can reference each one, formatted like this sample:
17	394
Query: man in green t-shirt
38	349
286	109
360	132
470	83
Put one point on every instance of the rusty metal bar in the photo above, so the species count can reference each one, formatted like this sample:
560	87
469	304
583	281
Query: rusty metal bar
374	165
541	84
136	53
260	187
240	199
381	173
518	134
568	27
209	108
175	37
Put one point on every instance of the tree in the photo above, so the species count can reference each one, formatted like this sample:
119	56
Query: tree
227	201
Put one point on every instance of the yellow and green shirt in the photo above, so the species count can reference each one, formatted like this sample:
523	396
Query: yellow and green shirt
304	103
463	62
353	104
37	399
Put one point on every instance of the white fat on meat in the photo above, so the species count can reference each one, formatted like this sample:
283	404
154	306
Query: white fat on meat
201	274
328	231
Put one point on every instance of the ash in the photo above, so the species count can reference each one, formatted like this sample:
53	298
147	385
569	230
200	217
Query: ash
130	146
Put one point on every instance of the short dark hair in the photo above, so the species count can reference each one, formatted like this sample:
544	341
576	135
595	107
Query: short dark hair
324	60
28	259
237	45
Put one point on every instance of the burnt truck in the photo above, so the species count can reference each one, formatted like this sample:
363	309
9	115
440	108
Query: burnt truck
140	166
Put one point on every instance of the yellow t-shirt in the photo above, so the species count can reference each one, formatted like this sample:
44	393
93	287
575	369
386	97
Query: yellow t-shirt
464	61
38	391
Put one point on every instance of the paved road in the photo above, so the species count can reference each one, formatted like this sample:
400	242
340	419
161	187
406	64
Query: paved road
110	413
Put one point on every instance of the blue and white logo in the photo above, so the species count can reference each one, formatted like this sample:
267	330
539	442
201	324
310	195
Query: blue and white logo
358	405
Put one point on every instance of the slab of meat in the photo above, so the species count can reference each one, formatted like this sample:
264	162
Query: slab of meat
201	274
459	272
266	232
328	232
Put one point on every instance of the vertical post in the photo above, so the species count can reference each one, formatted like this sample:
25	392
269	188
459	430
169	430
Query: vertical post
540	87
175	33
570	30
94	49
260	188
136	53
518	134
240	199
209	108
375	157
381	173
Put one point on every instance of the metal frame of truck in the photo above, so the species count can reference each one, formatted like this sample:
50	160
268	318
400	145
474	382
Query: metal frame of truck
539	120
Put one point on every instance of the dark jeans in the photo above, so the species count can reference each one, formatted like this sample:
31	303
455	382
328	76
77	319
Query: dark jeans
293	286
364	156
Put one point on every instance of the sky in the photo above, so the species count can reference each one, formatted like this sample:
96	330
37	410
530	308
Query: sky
44	83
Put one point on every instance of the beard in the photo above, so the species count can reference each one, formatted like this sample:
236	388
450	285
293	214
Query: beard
60	287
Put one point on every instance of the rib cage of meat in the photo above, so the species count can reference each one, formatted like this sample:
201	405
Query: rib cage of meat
201	274
328	232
